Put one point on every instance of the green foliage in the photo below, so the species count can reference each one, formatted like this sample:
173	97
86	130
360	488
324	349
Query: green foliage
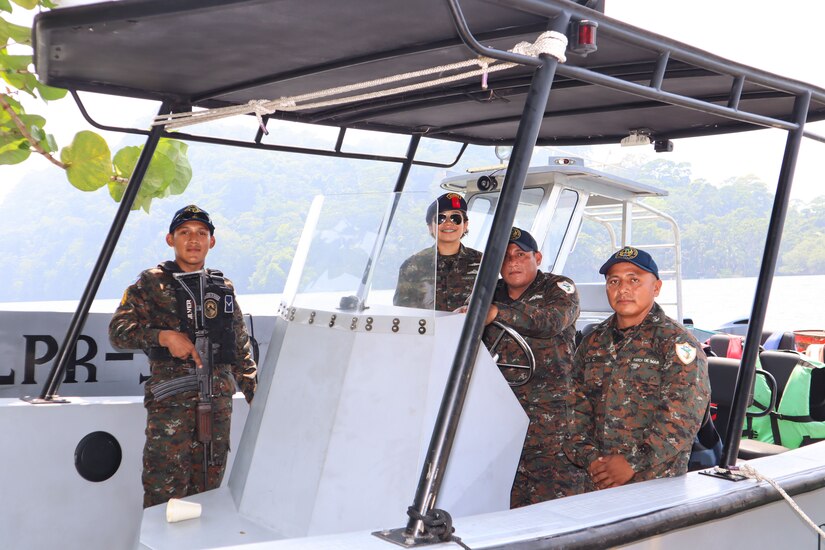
28	4
723	227
87	160
169	173
17	33
13	151
14	147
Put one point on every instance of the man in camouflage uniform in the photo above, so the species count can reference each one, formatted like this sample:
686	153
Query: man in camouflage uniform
639	383
150	317
543	308
442	276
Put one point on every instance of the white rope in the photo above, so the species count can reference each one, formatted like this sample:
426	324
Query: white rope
550	43
750	472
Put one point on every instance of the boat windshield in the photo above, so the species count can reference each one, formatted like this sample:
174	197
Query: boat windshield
535	205
483	206
351	249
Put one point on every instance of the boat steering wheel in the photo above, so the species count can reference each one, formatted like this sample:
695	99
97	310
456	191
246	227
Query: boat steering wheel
530	367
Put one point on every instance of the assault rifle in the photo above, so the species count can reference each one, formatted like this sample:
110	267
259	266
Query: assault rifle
202	382
203	373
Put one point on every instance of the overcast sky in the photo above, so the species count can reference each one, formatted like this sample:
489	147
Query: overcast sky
752	32
780	37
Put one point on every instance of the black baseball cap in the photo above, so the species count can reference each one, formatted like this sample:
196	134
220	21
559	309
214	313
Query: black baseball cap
635	256
191	213
447	201
523	240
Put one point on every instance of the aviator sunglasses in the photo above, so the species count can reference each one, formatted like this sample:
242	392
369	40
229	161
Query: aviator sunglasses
457	219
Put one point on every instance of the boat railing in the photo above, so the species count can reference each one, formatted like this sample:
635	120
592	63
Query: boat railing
619	220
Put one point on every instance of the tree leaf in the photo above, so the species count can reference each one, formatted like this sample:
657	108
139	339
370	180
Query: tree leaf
142	201
117	189
18	33
15	62
176	151
32	120
28	4
5	5
28	121
7	136
48	93
124	162
14	152
37	132
15	105
157	178
89	163
8	126
160	174
51	142
15	71
25	82
4	33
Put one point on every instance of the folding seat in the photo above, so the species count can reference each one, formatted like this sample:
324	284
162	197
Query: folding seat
723	372
780	364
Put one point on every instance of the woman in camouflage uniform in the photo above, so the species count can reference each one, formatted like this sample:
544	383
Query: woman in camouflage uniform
455	265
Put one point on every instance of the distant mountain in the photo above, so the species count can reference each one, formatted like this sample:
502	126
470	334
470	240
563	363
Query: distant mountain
52	233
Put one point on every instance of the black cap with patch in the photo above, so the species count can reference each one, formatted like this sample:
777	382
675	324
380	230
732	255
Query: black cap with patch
523	240
191	213
635	256
447	201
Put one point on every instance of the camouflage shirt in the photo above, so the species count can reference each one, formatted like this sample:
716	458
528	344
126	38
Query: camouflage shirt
640	393
456	275
149	306
545	315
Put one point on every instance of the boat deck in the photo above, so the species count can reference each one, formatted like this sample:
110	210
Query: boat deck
602	519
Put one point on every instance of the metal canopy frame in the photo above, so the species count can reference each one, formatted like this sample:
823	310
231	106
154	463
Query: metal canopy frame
752	98
634	76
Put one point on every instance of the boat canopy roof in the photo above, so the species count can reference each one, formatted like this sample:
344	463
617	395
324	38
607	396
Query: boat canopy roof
217	53
572	169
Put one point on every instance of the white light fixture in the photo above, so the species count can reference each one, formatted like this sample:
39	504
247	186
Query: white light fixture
637	136
503	152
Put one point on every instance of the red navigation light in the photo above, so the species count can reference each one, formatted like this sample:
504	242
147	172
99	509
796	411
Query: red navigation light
587	33
582	38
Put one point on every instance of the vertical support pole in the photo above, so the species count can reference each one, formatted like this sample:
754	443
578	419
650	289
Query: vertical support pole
627	224
412	148
661	69
747	369
63	358
446	423
736	92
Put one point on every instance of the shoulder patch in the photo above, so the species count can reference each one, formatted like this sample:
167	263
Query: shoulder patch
567	287
685	352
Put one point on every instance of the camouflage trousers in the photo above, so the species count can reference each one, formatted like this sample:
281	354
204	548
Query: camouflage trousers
173	457
544	474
